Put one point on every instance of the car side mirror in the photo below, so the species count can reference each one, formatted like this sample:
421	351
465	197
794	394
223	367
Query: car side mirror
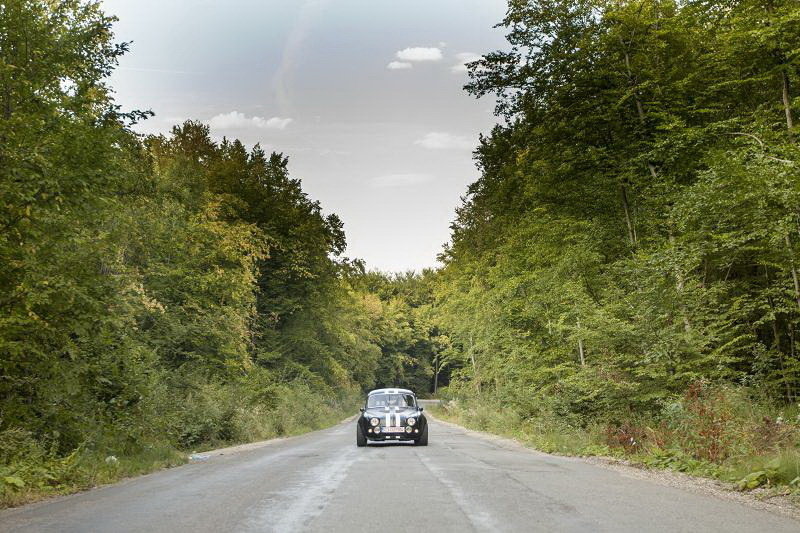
421	408
362	409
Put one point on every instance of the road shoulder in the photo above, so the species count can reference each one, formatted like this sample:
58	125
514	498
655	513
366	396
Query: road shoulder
761	499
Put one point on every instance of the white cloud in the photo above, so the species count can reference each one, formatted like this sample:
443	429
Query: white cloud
235	119
399	180
277	123
398	65
419	54
463	59
439	140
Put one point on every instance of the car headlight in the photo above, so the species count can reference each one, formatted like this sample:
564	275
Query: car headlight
411	421
374	421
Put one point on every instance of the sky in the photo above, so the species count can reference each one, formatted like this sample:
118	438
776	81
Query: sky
364	96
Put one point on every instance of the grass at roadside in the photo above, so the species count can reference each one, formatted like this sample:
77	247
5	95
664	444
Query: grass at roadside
37	474
33	469
711	432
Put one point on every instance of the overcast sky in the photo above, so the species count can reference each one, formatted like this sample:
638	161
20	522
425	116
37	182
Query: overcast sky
364	96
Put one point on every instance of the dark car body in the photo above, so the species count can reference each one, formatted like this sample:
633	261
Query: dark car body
391	415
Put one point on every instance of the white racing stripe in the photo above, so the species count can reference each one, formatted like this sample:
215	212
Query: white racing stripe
397	418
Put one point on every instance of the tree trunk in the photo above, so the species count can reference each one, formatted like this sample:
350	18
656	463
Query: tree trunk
785	86
580	345
787	100
628	219
794	270
781	361
679	284
436	373
650	166
474	365
6	100
777	339
639	108
792	351
471	354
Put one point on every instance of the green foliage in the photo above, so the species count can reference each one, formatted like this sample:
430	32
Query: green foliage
635	228
29	470
403	325
776	469
677	460
627	259
158	293
544	432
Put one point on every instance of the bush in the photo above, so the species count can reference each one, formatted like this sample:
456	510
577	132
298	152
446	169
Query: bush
189	413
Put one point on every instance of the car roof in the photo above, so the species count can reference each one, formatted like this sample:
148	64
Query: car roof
390	391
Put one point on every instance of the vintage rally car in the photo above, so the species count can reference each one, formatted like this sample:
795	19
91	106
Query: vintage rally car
392	415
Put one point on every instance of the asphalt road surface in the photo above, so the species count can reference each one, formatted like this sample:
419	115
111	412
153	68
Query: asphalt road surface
322	482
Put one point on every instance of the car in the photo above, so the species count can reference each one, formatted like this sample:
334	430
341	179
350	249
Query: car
391	415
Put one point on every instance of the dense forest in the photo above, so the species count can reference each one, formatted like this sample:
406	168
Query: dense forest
630	254
162	292
637	224
623	273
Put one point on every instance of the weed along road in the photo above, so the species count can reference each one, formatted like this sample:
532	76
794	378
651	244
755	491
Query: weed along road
321	481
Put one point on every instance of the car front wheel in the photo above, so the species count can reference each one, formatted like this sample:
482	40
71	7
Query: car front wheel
423	438
361	439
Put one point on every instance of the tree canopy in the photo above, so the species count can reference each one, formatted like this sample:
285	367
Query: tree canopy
636	224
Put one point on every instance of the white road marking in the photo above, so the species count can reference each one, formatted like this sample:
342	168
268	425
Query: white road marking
480	519
308	498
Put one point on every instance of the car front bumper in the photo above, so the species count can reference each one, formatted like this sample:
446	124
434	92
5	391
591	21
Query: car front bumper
384	435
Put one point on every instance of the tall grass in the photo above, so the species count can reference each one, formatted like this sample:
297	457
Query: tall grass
203	417
712	430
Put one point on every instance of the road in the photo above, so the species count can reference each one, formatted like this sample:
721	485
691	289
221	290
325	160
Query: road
322	482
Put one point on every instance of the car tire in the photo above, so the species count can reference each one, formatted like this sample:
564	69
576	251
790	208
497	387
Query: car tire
423	439
361	439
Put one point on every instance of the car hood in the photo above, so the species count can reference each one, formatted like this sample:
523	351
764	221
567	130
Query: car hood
380	412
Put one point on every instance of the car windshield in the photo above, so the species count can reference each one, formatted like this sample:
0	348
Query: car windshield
391	400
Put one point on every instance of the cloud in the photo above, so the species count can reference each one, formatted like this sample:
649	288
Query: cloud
463	59
399	180
419	54
236	120
439	140
398	65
